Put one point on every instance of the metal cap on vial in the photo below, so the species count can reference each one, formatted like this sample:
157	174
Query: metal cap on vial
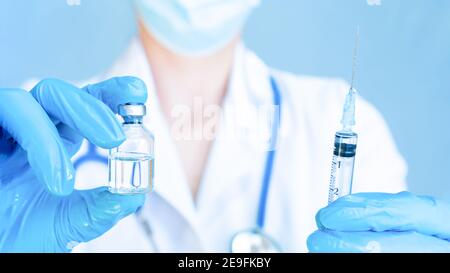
132	109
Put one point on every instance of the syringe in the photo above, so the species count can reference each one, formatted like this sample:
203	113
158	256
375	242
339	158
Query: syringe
345	144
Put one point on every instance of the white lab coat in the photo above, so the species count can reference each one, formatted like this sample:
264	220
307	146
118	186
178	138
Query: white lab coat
227	200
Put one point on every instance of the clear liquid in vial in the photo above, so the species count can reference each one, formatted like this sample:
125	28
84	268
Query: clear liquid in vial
130	173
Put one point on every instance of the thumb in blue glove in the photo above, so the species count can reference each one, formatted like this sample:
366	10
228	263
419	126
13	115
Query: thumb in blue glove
39	132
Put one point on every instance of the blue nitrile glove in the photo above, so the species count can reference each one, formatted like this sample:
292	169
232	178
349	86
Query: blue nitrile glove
382	222
39	132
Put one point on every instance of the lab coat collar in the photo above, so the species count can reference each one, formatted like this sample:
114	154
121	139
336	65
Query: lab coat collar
249	86
232	158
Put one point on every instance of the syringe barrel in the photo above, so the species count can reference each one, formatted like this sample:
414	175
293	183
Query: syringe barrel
342	165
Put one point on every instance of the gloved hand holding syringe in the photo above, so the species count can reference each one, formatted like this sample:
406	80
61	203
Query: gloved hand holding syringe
374	221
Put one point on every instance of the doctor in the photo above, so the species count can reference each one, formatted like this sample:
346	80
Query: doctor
245	179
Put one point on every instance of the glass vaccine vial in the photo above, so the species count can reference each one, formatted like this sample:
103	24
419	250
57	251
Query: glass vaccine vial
131	164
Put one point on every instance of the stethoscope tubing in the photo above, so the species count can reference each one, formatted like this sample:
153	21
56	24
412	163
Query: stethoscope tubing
262	207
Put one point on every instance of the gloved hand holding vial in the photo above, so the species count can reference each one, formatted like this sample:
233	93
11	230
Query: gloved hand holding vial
40	209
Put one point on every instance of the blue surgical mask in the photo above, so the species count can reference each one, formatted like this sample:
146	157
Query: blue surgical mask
194	27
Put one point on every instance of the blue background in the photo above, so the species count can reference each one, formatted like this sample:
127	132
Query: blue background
404	60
